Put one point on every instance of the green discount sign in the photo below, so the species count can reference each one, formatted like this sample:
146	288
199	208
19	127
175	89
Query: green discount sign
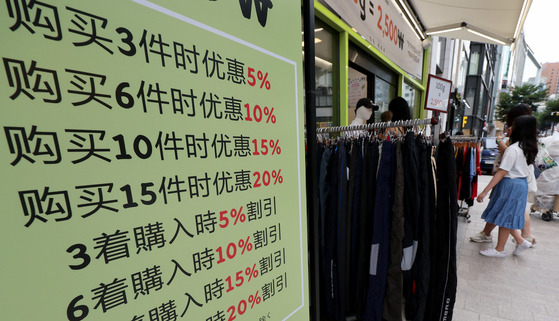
152	161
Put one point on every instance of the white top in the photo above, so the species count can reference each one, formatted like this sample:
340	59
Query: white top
514	162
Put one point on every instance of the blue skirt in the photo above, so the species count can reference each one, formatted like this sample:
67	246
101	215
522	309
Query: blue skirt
508	203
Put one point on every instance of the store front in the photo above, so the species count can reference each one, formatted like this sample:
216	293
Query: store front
359	60
327	85
382	53
353	60
368	78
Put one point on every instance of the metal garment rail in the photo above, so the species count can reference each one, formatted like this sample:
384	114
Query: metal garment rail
464	139
383	125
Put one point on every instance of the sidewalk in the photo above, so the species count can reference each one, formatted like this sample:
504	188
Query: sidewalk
516	288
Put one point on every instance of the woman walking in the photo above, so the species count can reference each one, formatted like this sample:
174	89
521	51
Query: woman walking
510	187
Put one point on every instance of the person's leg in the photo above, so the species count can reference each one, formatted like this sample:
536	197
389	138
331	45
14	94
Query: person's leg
484	235
517	236
526	229
502	238
526	232
488	228
521	243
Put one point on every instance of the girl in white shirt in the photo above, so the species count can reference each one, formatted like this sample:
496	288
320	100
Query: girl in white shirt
510	187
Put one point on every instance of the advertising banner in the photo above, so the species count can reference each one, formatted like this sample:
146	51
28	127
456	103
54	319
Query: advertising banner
152	160
382	25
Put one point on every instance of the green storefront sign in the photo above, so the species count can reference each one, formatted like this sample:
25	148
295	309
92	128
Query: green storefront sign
152	161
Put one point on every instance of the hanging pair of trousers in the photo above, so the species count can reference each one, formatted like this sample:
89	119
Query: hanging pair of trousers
323	191
365	231
393	298
416	300
442	290
354	198
330	284
326	244
411	201
411	211
380	239
341	228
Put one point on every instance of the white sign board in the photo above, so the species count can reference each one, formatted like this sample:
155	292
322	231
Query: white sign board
382	25
438	94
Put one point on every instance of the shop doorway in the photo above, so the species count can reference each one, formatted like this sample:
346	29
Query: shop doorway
368	78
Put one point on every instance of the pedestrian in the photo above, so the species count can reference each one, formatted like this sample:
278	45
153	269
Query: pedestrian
386	116
399	111
485	234
510	187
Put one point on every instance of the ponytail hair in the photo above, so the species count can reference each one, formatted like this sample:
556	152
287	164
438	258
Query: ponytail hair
525	132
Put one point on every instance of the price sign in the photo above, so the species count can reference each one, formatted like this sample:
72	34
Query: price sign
151	161
384	26
438	94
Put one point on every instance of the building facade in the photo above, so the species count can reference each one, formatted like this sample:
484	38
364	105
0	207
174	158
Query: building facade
473	68
550	76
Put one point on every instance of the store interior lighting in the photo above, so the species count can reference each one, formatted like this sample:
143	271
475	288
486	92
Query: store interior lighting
315	30
324	64
316	40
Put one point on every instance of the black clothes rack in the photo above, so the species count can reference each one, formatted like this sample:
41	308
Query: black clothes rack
378	202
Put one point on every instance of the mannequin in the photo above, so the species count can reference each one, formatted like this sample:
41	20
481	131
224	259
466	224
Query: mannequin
363	111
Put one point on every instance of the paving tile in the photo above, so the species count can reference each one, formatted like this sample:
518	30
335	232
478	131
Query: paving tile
525	305
542	317
551	308
516	312
485	317
516	288
487	304
465	315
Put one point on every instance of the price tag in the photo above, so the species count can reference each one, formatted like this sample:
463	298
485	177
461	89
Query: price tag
438	94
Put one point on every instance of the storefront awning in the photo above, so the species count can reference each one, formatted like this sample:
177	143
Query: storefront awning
489	21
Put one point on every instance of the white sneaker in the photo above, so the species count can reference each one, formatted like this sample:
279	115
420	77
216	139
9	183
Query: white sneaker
520	248
530	239
491	252
481	238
